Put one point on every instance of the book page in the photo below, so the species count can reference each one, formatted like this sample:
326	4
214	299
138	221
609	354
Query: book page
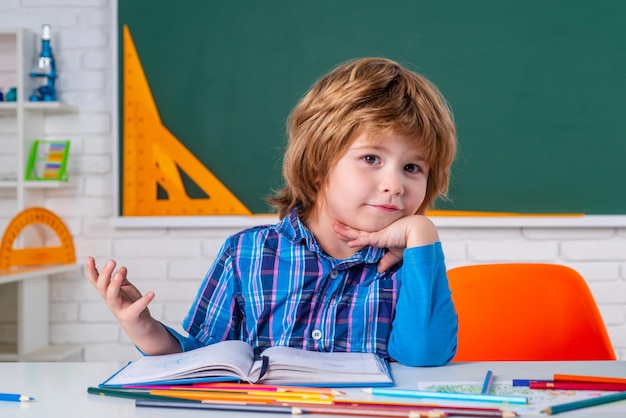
227	358
294	365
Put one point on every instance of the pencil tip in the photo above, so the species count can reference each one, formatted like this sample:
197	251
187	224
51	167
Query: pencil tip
367	390
296	411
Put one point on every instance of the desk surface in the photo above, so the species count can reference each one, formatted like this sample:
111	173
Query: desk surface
60	389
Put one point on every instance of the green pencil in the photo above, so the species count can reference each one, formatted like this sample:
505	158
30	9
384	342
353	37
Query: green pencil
570	406
132	394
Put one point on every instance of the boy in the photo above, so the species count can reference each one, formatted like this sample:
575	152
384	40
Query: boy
353	264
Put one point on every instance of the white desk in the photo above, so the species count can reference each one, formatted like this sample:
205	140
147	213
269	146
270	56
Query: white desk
60	389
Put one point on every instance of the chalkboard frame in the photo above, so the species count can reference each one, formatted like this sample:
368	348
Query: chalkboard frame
463	163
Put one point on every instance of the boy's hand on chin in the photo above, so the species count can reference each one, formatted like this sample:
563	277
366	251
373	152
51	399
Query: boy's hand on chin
407	232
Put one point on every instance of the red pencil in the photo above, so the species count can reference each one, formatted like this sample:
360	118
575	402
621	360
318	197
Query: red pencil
469	411
588	379
616	387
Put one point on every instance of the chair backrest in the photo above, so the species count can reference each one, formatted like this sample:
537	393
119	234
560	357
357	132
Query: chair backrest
526	311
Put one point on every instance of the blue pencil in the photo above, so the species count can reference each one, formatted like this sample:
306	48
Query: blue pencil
410	393
487	383
12	397
526	382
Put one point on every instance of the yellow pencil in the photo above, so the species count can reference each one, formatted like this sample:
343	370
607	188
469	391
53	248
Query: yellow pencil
263	387
265	397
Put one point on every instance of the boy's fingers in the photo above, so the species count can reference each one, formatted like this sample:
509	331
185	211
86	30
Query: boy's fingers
140	305
112	291
387	261
104	277
131	292
92	271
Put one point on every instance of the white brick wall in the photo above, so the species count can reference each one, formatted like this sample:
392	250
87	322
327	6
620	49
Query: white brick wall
172	261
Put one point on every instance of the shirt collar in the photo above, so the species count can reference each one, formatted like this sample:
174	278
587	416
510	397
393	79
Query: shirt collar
292	228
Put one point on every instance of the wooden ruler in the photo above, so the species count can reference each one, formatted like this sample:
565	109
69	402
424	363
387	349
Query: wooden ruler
11	257
154	157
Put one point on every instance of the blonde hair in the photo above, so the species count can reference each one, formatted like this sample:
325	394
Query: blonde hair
376	94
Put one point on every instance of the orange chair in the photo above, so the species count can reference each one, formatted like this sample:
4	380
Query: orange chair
526	311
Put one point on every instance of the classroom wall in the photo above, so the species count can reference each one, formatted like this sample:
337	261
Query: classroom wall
173	261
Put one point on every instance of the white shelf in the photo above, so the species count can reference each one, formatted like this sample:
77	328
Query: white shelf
18	274
50	107
32	315
8	184
32	297
8	108
45	184
46	107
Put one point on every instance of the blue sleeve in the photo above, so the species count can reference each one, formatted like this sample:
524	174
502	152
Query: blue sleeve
186	343
424	329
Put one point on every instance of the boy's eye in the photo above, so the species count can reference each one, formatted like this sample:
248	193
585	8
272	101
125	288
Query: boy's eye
412	168
371	159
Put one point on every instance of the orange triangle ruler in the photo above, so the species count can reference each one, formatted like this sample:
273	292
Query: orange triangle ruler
154	157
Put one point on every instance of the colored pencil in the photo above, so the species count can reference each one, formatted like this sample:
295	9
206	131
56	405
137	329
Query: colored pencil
448	410
291	409
589	379
363	412
410	393
240	387
267	397
585	403
125	393
611	387
487	383
264	387
274	409
526	382
15	397
253	393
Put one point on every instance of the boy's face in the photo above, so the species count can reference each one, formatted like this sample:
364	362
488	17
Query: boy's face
376	182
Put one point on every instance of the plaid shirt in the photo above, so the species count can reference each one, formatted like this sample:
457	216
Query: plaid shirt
273	285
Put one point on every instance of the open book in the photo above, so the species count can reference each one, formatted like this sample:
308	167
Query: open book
235	360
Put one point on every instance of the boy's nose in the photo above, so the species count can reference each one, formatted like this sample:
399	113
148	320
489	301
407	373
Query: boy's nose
391	183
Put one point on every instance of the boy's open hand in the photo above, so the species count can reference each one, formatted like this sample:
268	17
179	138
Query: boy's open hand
123	299
131	309
407	232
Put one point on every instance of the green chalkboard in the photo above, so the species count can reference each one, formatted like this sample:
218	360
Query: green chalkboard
538	88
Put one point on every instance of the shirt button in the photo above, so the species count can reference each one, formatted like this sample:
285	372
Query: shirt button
334	274
316	334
